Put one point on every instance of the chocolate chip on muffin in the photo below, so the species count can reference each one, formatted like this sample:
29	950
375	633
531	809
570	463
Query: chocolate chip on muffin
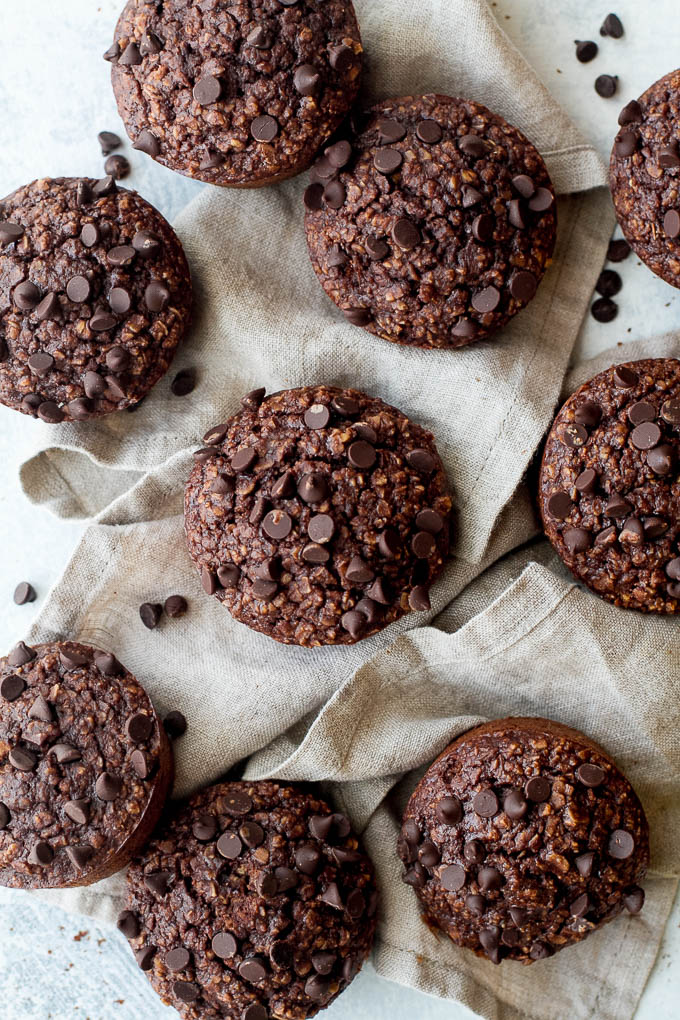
644	175
97	296
522	838
85	766
254	901
238	96
435	225
318	515
607	485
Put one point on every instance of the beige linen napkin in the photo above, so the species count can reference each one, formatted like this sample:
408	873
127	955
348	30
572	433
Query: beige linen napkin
361	717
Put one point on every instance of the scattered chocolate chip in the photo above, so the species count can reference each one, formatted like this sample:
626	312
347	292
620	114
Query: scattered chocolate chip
586	51
150	614
618	250
117	166
634	900
604	309
10	233
608	283
612	26
606	85
128	924
148	143
23	593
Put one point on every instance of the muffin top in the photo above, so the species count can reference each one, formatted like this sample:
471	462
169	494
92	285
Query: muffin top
434	225
254	901
80	752
645	176
239	94
522	838
318	515
95	295
607	489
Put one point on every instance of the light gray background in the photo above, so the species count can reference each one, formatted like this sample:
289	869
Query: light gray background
55	97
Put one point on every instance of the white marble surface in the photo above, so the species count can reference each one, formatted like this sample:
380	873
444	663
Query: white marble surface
55	97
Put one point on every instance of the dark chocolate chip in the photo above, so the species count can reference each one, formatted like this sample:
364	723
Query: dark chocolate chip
538	789
453	877
128	924
41	710
224	945
306	79
586	51
612	26
606	85
608	283
158	882
150	614
148	143
660	459
604	309
590	775
41	854
117	166
621	844
264	128
387	160
485	803
207	90
618	250
108	786
489	879
634	900
486	300
429	132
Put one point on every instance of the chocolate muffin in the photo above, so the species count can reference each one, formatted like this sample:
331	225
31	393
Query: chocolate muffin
644	176
522	838
238	95
318	515
434	225
95	295
85	766
607	488
255	901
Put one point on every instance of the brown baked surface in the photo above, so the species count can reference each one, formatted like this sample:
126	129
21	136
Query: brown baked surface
56	360
193	81
436	242
281	881
617	527
72	714
318	533
536	872
644	175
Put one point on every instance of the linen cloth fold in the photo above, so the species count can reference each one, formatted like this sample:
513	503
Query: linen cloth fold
508	633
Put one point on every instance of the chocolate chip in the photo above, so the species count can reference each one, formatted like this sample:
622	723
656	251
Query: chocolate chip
313	553
475	904
660	459
312	487
405	234
41	710
144	957
640	412
108	664
626	142
486	300
586	51
538	789
207	90
130	57
175	605
515	215
20	655
584	864
634	900
11	687
23	593
612	26
65	753
608	283
108	786
540	951
244	458
150	614
22	759
156	296
313	197
186	991
49	308
264	129
357	316
158	882
523	285
228	575
307	79
341	58
471	196
252	834
621	844
654	527
101	322
618	250
646	435
117	166
26	296
41	854
358	572
489	879
632	531
148	143
10	233
453	877
139	727
473	146
177	959
429	132
515	805
286	879
604	310
387	160
606	85
106	186
588	413
238	803
485	803
590	775
84	193
671	223
128	924
229	846
277	525
224	945
574	435
419	599
428	854
120	300
150	44
560	505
